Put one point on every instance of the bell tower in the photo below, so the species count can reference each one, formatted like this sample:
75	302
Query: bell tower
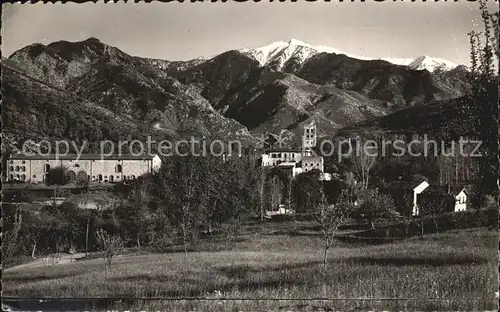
309	139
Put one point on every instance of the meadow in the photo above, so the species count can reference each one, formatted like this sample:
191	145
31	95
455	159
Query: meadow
273	270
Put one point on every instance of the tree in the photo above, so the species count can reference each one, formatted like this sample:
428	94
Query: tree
363	162
56	176
350	184
436	205
10	236
481	111
330	217
139	217
307	191
109	246
182	189
371	205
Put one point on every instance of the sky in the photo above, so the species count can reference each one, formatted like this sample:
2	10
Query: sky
183	31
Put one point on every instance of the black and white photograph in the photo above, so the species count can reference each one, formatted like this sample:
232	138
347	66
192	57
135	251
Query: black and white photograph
250	156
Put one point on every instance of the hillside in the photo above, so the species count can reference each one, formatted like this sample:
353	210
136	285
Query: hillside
113	84
443	119
399	86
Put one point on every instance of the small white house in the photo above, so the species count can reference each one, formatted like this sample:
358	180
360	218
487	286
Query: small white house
404	191
461	201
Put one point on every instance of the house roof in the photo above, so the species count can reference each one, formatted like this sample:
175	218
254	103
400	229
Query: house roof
82	157
444	190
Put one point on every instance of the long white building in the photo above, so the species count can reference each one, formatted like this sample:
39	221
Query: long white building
86	167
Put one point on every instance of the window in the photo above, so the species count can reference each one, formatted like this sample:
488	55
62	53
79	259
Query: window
23	162
77	166
11	168
34	176
461	199
47	168
23	177
17	168
11	161
118	168
23	168
11	177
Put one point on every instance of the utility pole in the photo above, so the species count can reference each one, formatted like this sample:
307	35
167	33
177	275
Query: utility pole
262	181
87	237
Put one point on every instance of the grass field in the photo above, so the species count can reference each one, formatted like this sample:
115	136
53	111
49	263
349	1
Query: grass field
450	271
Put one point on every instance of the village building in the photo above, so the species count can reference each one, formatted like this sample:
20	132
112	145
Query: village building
85	167
294	161
405	194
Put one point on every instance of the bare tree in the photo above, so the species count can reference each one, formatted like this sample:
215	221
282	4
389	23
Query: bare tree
330	217
109	246
363	162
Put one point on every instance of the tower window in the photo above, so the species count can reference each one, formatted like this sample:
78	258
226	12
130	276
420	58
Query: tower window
118	168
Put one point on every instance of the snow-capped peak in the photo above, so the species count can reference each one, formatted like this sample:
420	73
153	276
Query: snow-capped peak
432	63
279	53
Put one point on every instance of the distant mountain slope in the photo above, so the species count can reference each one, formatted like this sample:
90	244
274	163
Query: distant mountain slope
398	85
444	119
32	109
271	101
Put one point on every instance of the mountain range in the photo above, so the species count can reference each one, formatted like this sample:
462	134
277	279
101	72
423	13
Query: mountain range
90	90
279	53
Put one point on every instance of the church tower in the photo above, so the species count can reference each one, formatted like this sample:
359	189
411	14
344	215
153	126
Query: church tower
309	139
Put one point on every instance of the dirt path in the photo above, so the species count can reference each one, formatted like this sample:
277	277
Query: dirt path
64	259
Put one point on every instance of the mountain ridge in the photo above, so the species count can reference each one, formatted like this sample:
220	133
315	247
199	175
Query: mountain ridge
280	52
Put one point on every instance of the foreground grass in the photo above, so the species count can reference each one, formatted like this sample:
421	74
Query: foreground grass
451	271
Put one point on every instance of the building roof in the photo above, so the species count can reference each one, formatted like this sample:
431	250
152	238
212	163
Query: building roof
287	165
444	190
82	157
312	158
284	149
